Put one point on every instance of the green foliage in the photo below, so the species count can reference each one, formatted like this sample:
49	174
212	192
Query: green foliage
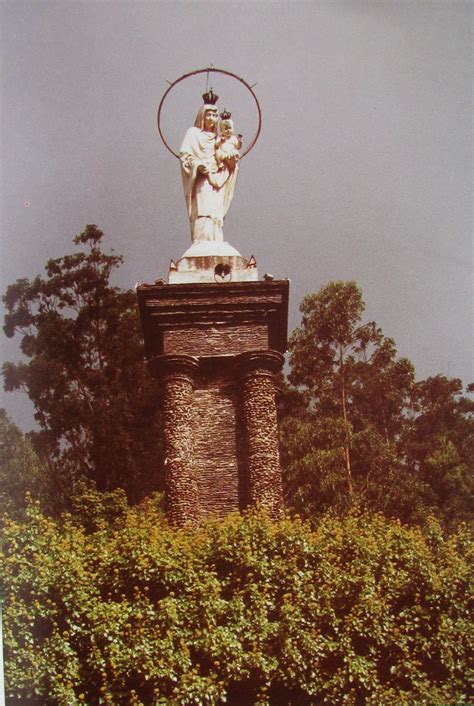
94	399
439	445
358	430
21	472
357	610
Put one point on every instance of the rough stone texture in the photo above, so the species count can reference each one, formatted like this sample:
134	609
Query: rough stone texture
215	340
217	455
261	429
217	349
168	308
182	499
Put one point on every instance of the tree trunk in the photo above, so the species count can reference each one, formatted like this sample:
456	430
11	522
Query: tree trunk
347	453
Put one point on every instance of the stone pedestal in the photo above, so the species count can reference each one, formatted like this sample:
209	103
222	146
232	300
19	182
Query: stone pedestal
259	418
177	374
216	349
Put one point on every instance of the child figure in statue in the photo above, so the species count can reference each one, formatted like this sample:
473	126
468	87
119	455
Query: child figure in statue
227	144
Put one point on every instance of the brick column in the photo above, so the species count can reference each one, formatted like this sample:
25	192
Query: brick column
258	369
177	375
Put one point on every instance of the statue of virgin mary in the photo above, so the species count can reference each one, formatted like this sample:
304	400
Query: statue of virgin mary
208	188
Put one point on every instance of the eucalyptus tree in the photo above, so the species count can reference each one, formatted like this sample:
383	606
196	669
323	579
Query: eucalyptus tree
345	446
95	403
439	445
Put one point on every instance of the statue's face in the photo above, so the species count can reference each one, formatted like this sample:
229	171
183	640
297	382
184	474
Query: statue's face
227	128
210	119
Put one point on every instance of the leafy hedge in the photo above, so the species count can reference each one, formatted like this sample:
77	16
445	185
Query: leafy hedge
243	611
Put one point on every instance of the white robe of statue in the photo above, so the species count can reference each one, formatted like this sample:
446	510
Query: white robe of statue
208	195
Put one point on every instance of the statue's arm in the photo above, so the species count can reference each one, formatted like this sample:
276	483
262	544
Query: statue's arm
189	152
192	164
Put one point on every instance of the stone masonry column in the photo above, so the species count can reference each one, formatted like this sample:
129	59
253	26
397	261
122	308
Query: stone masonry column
177	376
258	369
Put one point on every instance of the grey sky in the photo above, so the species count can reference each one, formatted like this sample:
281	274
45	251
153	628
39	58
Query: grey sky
363	170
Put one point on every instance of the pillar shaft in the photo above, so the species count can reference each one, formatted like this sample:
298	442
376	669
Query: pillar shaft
261	429
177	375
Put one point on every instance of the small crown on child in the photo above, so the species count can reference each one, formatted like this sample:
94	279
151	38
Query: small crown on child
225	115
210	97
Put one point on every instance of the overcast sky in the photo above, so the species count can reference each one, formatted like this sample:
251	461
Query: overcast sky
364	168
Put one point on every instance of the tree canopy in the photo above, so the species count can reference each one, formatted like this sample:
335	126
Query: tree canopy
96	404
358	429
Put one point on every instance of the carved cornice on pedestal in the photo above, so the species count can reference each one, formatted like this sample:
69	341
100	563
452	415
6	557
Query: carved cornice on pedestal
174	366
264	361
186	318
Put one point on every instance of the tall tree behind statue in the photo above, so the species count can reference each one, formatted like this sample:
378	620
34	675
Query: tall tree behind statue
94	401
360	430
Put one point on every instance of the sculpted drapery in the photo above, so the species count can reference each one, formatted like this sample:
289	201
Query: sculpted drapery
207	189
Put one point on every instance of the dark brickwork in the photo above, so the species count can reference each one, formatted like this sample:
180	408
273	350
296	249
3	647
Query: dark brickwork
215	340
217	445
165	308
216	350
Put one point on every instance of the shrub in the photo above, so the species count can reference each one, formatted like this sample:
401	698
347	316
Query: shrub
242	611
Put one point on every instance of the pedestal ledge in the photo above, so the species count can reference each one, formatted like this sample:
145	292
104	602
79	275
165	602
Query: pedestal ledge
162	366
199	263
269	360
210	248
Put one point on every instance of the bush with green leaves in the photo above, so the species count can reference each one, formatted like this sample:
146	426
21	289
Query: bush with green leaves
358	610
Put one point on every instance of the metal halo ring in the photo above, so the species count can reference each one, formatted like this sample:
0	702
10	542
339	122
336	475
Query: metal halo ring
202	71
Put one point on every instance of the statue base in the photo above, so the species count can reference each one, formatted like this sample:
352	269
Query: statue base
210	261
216	349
